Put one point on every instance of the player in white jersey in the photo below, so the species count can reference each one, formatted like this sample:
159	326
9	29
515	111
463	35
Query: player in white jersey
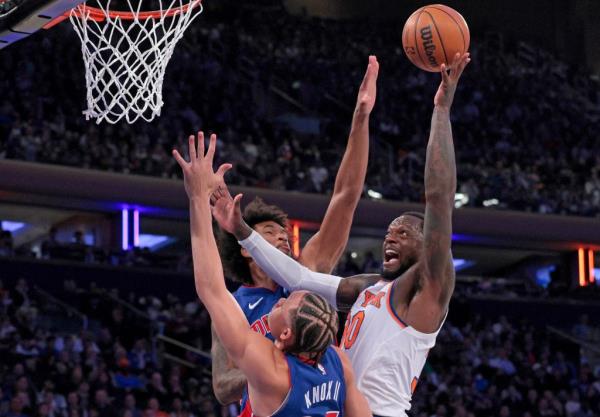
395	317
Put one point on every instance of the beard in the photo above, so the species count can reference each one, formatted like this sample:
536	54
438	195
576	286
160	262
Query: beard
391	275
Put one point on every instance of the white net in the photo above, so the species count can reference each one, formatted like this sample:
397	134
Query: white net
125	60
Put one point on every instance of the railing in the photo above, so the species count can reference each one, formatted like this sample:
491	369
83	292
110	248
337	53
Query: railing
567	336
128	306
173	358
156	336
68	308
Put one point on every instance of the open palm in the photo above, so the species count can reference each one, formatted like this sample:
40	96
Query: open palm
199	178
367	93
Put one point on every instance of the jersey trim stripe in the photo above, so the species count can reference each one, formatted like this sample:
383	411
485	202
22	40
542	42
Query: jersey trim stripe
391	309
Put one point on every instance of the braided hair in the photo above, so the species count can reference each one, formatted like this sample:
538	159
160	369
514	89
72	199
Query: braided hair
315	324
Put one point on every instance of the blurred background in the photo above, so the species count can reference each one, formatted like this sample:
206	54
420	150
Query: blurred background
98	313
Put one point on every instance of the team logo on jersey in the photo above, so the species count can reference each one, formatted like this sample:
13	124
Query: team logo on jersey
373	299
252	306
261	325
322	369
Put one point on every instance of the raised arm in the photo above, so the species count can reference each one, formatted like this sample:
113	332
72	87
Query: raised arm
341	293
322	252
440	187
252	353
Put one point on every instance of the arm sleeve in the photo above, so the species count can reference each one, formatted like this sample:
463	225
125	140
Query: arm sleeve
288	273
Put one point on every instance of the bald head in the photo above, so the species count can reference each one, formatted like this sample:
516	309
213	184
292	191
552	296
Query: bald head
412	219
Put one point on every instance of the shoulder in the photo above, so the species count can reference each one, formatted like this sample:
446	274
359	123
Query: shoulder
357	283
239	293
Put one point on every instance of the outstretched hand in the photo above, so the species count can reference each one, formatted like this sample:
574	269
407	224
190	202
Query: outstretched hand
445	93
367	92
199	178
226	210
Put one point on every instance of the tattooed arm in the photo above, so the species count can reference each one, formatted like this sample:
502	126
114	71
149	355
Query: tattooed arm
436	270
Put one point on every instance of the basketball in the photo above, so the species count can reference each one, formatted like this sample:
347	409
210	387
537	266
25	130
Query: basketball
433	35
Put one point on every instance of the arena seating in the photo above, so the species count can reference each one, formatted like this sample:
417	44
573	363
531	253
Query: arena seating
264	70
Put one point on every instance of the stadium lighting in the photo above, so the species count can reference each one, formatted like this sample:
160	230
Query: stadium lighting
460	200
581	259
460	264
374	194
136	228
296	239
125	229
12	227
491	202
591	266
154	242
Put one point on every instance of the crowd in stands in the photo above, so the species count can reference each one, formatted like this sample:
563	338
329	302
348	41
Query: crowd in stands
114	367
525	124
78	251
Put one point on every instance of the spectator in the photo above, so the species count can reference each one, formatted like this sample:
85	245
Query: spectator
16	408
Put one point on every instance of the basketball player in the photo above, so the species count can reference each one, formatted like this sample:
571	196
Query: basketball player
394	317
259	293
301	374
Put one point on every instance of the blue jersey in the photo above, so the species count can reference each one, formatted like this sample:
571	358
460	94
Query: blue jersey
315	391
256	303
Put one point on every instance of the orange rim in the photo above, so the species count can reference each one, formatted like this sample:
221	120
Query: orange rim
99	15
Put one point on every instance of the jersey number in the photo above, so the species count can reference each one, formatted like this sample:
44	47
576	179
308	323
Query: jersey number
351	329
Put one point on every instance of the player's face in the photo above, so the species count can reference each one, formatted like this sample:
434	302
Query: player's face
402	245
280	321
276	235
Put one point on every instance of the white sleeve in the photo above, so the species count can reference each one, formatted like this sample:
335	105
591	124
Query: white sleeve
288	273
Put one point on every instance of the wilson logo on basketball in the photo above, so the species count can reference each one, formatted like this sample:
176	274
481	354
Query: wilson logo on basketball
428	45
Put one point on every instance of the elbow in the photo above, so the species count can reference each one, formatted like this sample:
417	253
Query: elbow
222	394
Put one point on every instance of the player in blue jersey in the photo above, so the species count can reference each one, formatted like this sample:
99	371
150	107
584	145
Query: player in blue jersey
300	373
258	292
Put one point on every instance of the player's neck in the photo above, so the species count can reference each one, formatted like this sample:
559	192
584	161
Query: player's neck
260	279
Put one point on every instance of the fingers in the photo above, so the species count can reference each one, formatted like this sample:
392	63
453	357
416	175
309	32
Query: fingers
179	158
223	168
213	198
192	148
462	63
444	72
237	202
374	64
371	72
455	60
201	144
210	154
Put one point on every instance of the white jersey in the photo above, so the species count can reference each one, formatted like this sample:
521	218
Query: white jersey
387	355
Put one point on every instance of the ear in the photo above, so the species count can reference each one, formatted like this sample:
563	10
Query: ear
286	337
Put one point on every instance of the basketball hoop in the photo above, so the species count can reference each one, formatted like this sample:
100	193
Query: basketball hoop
126	54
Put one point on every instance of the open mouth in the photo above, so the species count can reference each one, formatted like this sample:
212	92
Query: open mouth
390	259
